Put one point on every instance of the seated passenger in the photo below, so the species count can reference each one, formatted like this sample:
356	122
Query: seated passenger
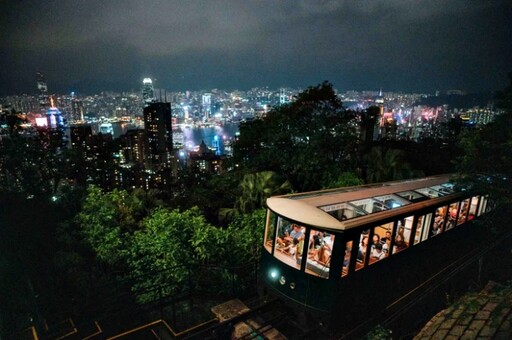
375	241
361	254
346	259
292	247
386	238
283	232
377	252
449	224
325	251
462	218
437	226
316	240
296	232
399	244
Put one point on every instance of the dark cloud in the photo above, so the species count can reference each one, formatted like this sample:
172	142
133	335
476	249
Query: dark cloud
90	46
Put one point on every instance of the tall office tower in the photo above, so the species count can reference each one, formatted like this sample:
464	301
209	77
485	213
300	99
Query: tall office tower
55	127
379	101
77	110
54	117
42	89
283	98
148	93
158	127
207	106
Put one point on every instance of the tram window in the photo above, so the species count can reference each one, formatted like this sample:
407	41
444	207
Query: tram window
447	188
319	253
381	242
289	245
463	214
473	208
343	211
362	250
391	201
403	234
430	192
490	206
346	259
412	196
270	230
483	205
422	226
439	221
369	205
284	227
452	215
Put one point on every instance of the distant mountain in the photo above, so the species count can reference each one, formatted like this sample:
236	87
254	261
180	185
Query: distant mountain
455	101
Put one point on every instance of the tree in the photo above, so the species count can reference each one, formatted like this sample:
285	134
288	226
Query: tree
102	219
307	141
344	179
486	163
387	165
256	188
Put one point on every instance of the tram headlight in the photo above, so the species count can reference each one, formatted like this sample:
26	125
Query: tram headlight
274	274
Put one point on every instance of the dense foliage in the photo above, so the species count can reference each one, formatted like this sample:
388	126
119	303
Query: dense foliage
157	249
486	165
308	141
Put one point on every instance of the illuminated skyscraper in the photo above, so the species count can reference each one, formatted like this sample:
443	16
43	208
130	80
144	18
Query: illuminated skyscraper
54	117
42	89
148	92
77	110
207	105
283	98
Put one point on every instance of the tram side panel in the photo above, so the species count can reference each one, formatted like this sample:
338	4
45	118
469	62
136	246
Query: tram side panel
371	290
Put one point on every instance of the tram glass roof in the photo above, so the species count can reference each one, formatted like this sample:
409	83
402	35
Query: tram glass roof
348	203
361	207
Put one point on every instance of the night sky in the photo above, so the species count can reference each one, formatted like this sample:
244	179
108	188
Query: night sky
397	45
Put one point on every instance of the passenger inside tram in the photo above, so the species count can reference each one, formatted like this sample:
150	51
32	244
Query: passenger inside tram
325	251
377	253
292	247
288	236
375	241
400	244
386	238
363	245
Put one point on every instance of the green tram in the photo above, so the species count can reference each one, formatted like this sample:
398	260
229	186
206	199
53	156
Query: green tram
358	249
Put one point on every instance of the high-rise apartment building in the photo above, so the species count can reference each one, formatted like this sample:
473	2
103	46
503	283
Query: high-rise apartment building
133	146
158	128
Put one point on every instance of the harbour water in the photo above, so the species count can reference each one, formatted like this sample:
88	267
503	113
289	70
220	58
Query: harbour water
212	136
184	137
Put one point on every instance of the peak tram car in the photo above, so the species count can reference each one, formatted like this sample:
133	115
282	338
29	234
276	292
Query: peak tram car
340	253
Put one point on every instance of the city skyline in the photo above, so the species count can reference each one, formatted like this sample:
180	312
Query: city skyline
91	46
